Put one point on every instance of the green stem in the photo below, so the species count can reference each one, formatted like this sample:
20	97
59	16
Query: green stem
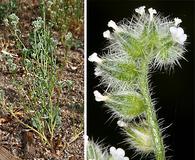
151	115
42	135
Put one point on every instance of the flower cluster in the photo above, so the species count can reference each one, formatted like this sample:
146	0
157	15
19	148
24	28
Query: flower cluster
118	154
164	39
12	20
161	40
38	24
178	34
95	152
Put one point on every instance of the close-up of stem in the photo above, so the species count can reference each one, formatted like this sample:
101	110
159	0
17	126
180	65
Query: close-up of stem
151	117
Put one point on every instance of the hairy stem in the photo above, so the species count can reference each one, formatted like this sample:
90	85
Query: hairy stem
151	115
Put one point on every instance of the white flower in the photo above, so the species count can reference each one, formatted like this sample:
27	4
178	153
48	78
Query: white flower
118	154
95	58
140	10
177	21
99	97
152	12
178	34
97	72
113	25
121	123
106	34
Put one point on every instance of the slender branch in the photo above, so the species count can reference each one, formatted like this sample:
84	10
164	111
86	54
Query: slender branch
151	117
26	125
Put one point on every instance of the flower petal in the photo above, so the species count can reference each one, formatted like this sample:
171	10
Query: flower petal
121	123
140	10
180	31
99	97
177	21
95	58
173	30
113	25
152	12
120	152
178	34
183	39
97	72
112	150
106	34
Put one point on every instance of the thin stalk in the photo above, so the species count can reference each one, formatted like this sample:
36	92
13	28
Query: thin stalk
20	40
17	37
26	125
151	115
52	125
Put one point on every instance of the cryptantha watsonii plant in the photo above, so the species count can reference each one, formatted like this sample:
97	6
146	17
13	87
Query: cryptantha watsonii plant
148	41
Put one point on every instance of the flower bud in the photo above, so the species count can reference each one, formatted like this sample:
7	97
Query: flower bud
95	58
